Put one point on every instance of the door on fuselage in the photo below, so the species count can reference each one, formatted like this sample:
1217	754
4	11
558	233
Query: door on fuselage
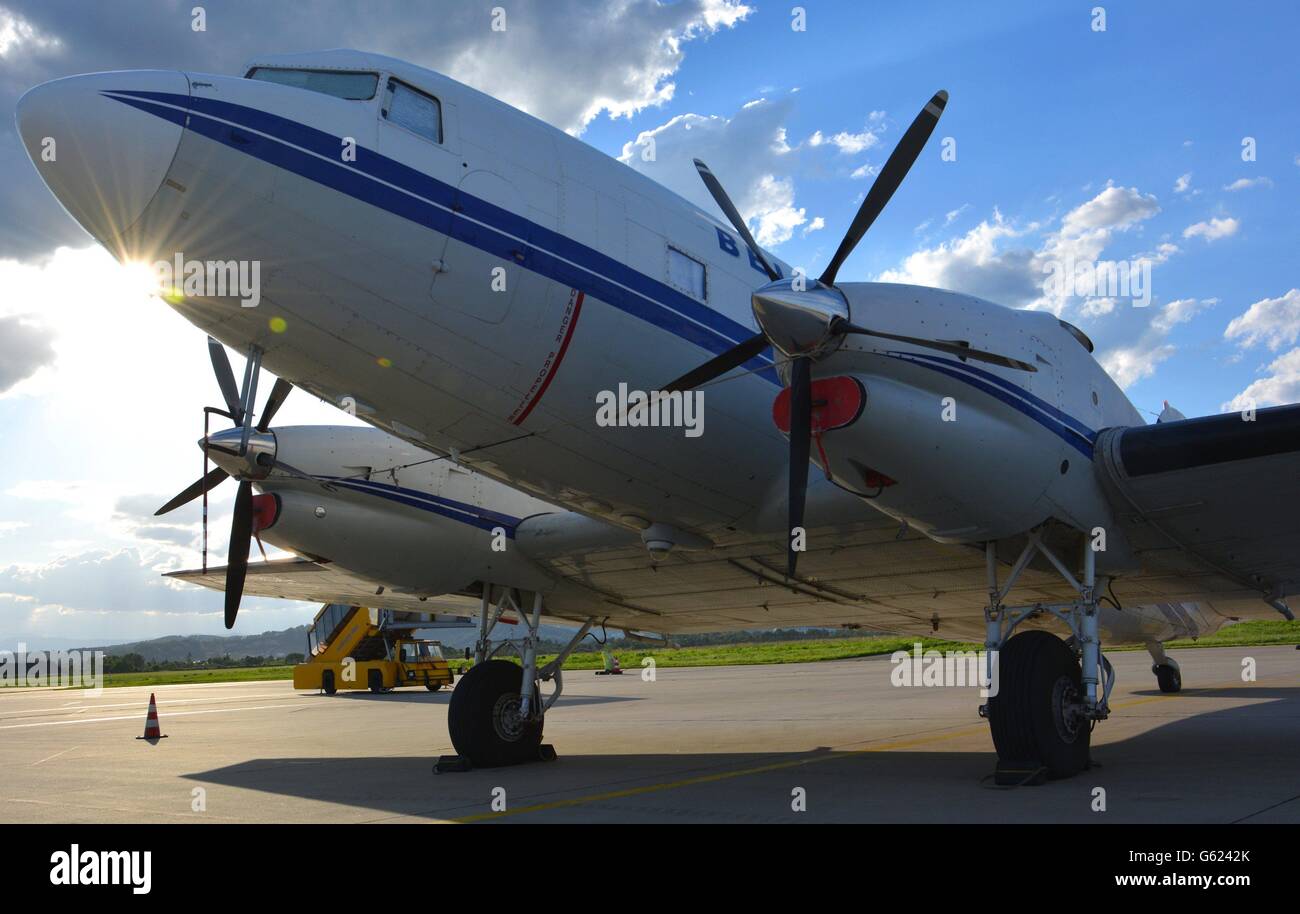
482	260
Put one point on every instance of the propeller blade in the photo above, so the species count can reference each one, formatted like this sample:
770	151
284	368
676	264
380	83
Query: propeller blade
225	378
896	167
957	349
800	447
241	540
719	365
193	490
733	215
281	390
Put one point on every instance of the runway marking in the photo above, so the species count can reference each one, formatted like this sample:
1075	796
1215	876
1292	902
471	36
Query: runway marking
100	720
80	709
792	763
54	756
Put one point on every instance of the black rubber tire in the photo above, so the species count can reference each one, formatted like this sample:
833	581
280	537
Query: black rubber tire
474	722
1034	668
1168	678
433	686
327	682
375	681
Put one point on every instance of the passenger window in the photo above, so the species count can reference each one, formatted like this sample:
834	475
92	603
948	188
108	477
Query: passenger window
410	108
687	273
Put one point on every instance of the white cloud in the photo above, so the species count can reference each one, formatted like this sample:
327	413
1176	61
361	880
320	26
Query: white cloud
865	171
25	348
980	262
629	50
1179	311
1245	183
1274	321
953	214
1281	386
974	263
749	154
816	225
1130	364
1213	230
17	34
853	143
1183	183
1114	208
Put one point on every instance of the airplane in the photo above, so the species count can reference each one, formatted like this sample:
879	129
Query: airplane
474	282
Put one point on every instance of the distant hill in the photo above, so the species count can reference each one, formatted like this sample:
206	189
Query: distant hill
294	641
291	641
206	647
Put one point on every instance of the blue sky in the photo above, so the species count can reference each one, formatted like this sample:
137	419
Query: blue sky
1102	145
1045	112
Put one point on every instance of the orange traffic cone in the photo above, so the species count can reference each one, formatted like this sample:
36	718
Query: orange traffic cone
152	731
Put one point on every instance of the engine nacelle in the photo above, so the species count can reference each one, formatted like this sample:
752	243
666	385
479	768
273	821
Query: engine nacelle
936	458
417	551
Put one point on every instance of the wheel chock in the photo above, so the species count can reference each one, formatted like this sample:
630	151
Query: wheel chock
449	763
546	753
1019	774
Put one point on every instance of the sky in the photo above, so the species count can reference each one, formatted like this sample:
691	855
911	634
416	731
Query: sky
1075	133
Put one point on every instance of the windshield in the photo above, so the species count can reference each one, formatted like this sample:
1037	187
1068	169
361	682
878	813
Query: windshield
354	86
421	650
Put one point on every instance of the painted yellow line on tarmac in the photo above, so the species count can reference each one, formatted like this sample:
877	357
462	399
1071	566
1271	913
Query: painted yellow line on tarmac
723	775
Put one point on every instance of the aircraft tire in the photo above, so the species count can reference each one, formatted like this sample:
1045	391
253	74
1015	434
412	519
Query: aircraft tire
1168	678
483	719
1038	679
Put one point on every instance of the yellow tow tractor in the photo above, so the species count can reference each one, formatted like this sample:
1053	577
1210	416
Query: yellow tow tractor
353	647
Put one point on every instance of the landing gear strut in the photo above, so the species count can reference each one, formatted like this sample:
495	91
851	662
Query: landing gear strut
496	713
1045	693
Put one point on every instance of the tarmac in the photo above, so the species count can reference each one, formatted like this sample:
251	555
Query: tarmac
818	742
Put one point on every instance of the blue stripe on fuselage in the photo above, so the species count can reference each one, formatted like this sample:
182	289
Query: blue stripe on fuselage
1075	433
440	207
475	516
443	209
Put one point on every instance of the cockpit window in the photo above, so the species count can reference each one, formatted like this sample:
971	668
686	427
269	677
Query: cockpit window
354	86
1077	334
410	108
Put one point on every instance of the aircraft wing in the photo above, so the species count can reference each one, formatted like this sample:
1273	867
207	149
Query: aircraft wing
322	582
1212	495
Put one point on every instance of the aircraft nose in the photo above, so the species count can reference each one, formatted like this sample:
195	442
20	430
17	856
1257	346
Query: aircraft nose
103	142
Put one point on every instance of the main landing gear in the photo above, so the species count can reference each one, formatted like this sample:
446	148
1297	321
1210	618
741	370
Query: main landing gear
1168	676
496	713
1045	693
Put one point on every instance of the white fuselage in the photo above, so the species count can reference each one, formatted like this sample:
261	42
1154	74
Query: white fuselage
473	291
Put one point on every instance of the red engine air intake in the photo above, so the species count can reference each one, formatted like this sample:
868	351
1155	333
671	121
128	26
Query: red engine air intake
266	511
836	402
